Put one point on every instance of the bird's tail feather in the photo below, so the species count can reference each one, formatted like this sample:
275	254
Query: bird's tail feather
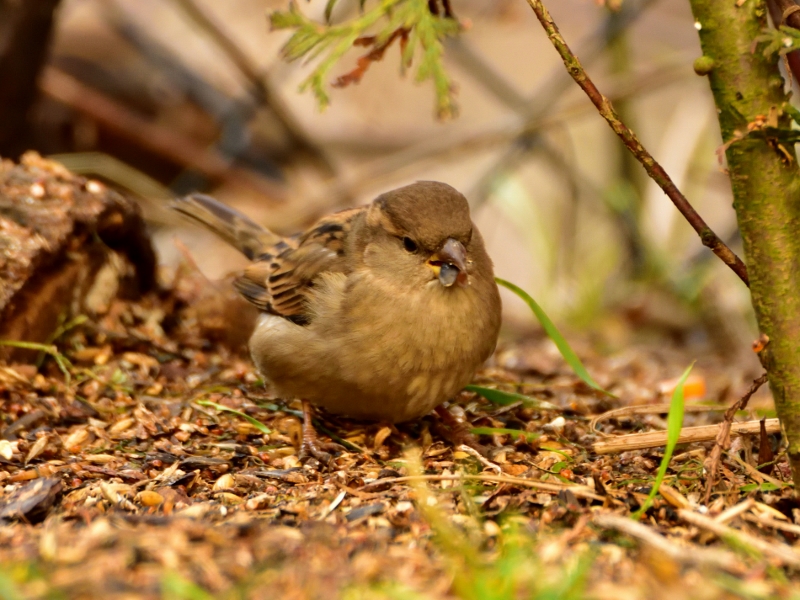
250	238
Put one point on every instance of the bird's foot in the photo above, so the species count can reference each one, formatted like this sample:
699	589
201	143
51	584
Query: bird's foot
457	432
322	451
312	446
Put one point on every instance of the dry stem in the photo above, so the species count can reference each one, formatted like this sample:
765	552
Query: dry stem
691	555
723	437
579	490
781	552
704	433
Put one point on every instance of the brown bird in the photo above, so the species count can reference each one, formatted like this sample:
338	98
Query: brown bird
381	312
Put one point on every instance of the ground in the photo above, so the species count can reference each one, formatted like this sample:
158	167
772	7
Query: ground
132	478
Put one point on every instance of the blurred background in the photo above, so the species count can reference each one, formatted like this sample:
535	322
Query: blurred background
162	97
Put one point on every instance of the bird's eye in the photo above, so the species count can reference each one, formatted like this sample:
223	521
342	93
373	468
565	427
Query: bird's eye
410	245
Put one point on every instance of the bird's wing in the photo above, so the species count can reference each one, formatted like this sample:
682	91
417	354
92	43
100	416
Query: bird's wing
279	280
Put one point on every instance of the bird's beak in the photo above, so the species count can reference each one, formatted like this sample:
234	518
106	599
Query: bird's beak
450	263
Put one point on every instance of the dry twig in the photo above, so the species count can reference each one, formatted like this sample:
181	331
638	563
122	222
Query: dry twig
735	511
704	433
649	409
776	550
579	490
723	437
110	114
691	555
774	523
205	21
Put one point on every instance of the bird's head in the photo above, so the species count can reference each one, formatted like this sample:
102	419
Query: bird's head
422	234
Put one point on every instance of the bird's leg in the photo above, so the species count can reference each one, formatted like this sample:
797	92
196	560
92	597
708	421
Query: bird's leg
457	432
311	445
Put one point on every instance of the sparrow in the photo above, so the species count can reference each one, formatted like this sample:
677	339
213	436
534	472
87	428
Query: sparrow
381	312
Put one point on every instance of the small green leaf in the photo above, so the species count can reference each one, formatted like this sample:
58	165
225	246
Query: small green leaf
552	332
422	33
791	111
759	487
284	20
529	436
505	398
254	422
177	587
674	426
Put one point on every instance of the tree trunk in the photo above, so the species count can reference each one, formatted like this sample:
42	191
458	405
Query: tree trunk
25	32
766	190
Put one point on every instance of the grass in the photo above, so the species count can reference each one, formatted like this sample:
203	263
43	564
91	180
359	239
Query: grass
503	566
62	361
554	334
505	398
674	425
254	422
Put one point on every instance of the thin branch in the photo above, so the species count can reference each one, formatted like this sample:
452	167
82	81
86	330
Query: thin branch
166	143
654	170
224	42
785	12
537	115
723	437
264	93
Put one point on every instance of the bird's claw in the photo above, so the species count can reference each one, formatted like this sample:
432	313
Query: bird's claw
457	433
322	451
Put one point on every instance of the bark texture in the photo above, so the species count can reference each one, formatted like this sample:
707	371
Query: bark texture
58	233
766	190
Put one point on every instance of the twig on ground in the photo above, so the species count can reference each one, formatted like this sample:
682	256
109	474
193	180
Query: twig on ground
652	409
755	473
654	170
205	21
773	549
774	523
704	433
477	455
686	555
579	490
735	511
723	437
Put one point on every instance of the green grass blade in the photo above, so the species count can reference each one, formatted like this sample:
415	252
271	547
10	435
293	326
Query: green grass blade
62	361
176	587
566	351
674	426
254	422
505	398
8	588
